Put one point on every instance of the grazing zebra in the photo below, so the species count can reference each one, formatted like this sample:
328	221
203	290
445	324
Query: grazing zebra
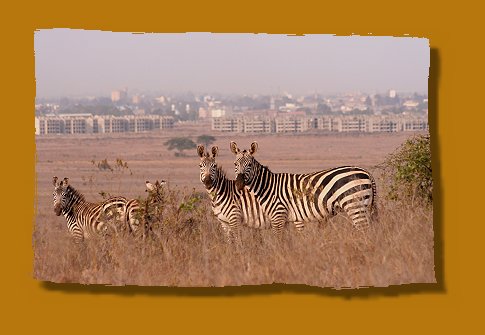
314	196
85	219
231	206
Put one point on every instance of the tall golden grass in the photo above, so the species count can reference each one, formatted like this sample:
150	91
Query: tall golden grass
188	248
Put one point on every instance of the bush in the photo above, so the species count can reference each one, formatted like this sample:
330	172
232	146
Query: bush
408	170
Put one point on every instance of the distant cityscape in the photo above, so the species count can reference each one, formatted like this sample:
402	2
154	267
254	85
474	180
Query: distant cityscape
389	111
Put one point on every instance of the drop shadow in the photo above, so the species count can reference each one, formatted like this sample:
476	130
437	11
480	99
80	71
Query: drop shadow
433	108
274	289
245	290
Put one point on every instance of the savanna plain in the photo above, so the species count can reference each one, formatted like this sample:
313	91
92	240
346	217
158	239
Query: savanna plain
188	248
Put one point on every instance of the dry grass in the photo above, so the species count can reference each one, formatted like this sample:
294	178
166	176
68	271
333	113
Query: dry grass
188	248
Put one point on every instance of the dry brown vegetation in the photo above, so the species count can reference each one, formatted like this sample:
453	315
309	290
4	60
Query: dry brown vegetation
187	247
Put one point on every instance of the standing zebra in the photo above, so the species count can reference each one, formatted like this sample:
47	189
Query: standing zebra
231	206
85	219
300	198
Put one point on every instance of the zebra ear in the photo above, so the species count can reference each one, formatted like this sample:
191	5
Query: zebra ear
215	150
65	182
234	149
200	150
149	186
254	148
54	181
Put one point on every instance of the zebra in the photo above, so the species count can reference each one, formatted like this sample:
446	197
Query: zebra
300	198
85	219
231	206
155	192
132	216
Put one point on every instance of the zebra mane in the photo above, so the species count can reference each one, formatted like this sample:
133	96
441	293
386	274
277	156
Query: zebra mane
78	196
261	166
220	173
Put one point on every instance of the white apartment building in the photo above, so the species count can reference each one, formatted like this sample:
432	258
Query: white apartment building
297	124
87	123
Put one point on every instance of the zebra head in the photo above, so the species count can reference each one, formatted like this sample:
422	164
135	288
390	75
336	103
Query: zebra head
208	165
244	164
59	194
155	192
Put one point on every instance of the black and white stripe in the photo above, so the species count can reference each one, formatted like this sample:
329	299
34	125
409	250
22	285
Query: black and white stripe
133	218
313	196
231	206
85	219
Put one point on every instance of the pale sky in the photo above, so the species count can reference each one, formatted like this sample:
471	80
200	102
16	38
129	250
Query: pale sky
81	62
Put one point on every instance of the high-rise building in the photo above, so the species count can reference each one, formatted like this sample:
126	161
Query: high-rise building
119	95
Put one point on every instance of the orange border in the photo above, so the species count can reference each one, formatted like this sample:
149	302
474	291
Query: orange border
32	306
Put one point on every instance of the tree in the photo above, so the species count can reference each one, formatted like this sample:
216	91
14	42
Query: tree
408	170
323	108
206	140
180	144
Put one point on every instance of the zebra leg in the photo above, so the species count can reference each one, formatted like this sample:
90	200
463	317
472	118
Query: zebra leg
360	218
78	238
299	225
231	231
227	231
277	223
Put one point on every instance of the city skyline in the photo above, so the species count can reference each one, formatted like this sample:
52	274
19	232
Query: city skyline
81	63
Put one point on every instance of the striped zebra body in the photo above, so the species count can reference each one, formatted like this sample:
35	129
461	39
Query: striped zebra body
300	198
231	206
85	219
234	207
132	216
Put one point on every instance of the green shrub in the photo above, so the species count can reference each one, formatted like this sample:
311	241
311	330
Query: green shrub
408	170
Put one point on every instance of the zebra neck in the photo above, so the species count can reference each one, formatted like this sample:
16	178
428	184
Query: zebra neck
74	200
262	176
219	185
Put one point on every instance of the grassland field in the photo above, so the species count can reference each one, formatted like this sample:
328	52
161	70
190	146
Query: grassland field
189	249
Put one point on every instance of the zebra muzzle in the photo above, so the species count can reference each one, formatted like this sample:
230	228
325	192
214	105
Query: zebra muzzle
208	182
57	210
240	181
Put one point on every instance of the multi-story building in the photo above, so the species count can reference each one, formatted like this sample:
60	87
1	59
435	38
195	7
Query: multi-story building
51	125
119	95
290	124
234	125
258	125
298	124
87	123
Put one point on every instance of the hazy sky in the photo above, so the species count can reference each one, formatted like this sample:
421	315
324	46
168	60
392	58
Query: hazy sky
80	62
